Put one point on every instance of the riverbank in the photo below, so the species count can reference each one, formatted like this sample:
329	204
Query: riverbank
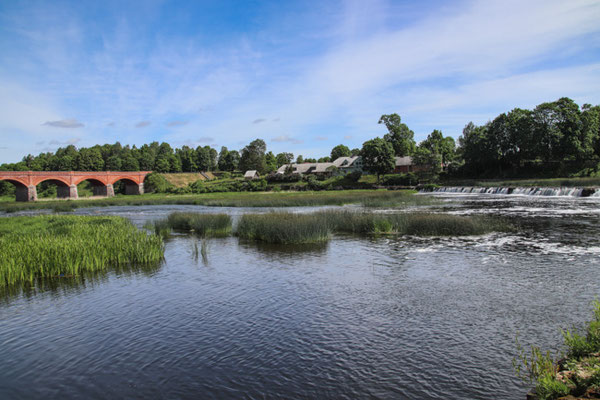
575	376
371	198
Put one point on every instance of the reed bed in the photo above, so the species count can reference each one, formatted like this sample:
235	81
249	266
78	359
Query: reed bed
205	225
310	228
50	246
283	228
417	224
369	198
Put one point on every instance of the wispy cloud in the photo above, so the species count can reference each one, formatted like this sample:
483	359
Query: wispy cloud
142	124
258	120
64	123
286	139
64	142
320	138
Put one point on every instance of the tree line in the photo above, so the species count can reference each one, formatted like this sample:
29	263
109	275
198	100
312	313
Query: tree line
552	136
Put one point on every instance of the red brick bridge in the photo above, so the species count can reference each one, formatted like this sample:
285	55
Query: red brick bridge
67	181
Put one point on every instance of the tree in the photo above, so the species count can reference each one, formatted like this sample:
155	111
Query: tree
222	159
324	159
428	160
284	158
270	162
355	152
232	160
187	156
401	138
253	156
340	151
299	159
378	156
90	160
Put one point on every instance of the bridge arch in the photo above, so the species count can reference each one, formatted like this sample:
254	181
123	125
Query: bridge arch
64	190
23	191
132	186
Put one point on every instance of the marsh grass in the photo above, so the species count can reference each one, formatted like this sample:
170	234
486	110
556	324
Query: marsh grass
50	246
287	228
205	225
283	228
236	199
417	224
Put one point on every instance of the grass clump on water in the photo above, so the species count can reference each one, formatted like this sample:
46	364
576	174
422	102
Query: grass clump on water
283	228
200	224
317	227
49	246
417	224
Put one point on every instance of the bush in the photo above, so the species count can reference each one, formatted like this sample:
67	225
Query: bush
274	177
354	176
407	179
156	183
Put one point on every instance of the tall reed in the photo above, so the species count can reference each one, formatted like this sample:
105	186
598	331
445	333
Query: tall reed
67	245
418	224
284	228
200	224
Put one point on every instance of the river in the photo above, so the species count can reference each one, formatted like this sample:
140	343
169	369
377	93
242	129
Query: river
381	317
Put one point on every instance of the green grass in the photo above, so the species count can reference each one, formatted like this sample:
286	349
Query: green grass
206	225
50	246
416	224
283	228
289	228
234	199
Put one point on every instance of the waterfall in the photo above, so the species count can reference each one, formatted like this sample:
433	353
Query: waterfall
521	191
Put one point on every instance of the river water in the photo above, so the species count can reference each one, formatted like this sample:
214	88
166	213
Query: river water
380	317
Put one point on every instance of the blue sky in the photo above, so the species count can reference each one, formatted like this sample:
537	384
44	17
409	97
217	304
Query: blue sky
302	75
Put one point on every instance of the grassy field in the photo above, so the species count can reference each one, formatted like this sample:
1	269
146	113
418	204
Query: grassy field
235	199
183	179
67	245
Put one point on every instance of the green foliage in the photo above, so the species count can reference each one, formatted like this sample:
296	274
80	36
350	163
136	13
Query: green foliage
378	156
407	179
340	151
253	156
284	158
282	228
400	137
156	183
582	363
59	245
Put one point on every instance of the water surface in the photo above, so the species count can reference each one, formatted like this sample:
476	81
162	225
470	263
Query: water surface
383	317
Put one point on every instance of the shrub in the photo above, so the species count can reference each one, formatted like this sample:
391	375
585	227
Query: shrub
354	176
156	183
407	179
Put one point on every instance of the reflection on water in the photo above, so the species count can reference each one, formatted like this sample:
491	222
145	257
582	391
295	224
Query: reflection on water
382	317
66	285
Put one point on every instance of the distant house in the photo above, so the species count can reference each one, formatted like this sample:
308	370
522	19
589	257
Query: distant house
406	164
251	174
349	164
341	165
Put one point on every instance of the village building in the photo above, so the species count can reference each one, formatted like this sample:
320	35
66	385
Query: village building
341	165
251	175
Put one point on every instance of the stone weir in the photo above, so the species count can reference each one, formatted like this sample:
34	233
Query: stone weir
521	191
